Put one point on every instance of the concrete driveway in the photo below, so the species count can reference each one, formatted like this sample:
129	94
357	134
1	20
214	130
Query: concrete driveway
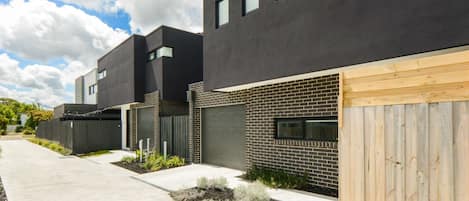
32	173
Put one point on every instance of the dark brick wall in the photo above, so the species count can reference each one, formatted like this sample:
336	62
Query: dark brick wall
315	97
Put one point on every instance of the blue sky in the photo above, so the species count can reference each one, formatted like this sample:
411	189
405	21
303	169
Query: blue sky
46	44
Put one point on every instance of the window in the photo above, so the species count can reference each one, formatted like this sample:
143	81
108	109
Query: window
92	89
250	5
223	15
151	56
102	74
164	52
160	52
317	129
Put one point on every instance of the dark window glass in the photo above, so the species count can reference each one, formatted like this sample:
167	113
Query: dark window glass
151	56
321	130
290	129
317	129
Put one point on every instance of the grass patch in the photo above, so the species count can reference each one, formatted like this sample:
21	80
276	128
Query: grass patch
54	146
276	178
96	153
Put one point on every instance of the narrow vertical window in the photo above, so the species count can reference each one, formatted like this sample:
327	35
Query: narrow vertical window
151	56
223	9
102	74
249	6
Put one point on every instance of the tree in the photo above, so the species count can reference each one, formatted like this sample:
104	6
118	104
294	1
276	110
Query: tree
37	116
11	110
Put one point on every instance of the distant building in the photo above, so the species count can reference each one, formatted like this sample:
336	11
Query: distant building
86	88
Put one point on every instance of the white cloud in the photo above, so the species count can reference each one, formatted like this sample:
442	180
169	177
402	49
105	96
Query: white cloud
146	15
33	83
40	30
108	6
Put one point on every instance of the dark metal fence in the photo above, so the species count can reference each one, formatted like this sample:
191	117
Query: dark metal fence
175	131
82	136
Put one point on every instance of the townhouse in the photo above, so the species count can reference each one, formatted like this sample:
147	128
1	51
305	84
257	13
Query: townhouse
147	77
272	94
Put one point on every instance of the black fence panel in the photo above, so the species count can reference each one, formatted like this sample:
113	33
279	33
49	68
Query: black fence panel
175	131
82	136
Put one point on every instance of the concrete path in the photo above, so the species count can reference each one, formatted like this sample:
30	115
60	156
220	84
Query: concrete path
186	177
32	173
114	156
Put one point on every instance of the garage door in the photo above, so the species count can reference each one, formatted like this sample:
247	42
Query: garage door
145	126
223	136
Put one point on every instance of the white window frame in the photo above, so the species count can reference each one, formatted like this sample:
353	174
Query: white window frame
222	5
247	3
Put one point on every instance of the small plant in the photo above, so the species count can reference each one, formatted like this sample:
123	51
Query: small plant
3	132
252	192
54	146
216	183
276	178
19	129
137	153
29	131
96	153
202	183
128	159
175	161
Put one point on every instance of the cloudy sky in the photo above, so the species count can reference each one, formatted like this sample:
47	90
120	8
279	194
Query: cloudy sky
46	44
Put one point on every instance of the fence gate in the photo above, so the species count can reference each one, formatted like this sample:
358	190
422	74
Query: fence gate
405	131
175	131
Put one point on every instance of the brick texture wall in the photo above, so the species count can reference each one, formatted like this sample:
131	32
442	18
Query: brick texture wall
315	97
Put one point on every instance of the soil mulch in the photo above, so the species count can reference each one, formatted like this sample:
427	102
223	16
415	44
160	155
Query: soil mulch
134	167
322	191
197	194
3	194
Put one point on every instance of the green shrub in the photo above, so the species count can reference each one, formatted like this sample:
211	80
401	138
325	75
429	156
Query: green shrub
54	146
252	192
29	131
3	132
128	159
155	162
19	129
96	153
175	161
276	178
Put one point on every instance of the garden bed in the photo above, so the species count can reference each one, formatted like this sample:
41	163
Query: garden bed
134	167
3	194
152	163
198	194
282	180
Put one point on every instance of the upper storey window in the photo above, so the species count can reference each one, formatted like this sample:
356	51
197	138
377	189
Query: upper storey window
250	5
164	52
223	9
160	52
102	75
